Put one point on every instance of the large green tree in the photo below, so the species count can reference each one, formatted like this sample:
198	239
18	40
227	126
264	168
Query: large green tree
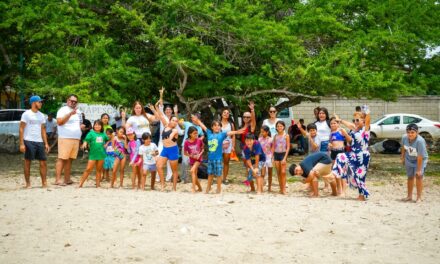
201	51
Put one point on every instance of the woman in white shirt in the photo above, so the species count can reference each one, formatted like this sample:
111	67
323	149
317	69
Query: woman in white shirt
323	128
139	120
271	121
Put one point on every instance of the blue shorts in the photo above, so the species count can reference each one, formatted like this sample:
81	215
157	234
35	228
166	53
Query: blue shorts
149	167
172	153
109	161
34	150
324	146
215	167
411	171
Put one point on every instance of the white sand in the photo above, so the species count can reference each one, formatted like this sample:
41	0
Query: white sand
70	225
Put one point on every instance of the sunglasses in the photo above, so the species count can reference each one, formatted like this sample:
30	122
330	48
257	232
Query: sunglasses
246	117
358	120
73	102
272	111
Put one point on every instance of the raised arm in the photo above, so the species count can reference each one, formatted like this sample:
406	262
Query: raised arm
158	114
349	125
301	129
197	121
253	119
345	134
240	131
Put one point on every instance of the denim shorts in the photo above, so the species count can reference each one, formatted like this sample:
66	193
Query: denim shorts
411	171
149	167
215	167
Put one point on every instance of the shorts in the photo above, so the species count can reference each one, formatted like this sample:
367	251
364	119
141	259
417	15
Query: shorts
278	156
227	146
335	152
411	171
149	167
34	150
108	162
250	174
268	163
215	167
68	148
325	172
172	153
324	146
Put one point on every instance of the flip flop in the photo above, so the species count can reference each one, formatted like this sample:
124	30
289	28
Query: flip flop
59	183
69	183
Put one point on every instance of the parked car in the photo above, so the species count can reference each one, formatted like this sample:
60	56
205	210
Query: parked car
10	121
393	126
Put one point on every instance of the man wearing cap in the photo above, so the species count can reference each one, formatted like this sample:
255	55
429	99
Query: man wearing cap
69	134
415	157
33	140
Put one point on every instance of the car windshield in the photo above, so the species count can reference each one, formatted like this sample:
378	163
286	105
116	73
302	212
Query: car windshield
378	120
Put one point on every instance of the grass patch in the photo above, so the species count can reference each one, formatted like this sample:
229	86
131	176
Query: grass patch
436	182
434	157
378	183
293	179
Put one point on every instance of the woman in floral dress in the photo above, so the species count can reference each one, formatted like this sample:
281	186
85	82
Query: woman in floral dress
353	165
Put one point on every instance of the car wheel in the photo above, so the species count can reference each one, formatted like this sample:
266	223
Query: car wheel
428	138
373	135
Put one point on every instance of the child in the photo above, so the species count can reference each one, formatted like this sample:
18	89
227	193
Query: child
96	140
148	152
254	160
193	148
266	143
135	159
311	168
215	156
312	136
338	137
280	148
109	150
415	157
120	149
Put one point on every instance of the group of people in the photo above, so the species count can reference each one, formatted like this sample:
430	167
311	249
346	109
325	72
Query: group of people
335	155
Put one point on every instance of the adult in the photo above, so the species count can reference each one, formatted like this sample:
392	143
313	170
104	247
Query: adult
33	140
353	165
249	123
51	130
271	121
228	144
297	137
167	112
119	119
185	159
170	150
311	168
316	112
86	128
139	120
69	134
323	128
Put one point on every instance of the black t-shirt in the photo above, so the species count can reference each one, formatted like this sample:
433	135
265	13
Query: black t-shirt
310	161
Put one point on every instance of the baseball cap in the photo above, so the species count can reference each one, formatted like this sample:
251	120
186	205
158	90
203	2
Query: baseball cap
129	131
412	127
35	98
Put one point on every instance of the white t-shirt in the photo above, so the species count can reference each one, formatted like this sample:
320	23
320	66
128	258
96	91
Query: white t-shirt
272	127
147	153
323	130
140	125
51	125
72	128
32	130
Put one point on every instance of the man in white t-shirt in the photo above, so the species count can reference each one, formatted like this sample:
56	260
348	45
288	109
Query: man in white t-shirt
33	140
69	122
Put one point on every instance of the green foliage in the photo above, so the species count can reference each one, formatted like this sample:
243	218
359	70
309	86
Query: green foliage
118	51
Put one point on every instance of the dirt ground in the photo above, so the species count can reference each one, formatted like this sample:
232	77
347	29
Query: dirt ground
71	225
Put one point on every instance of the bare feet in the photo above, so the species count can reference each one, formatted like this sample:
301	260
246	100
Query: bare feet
59	183
27	186
406	199
419	200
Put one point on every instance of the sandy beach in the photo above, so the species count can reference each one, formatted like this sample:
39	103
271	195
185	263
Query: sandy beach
71	225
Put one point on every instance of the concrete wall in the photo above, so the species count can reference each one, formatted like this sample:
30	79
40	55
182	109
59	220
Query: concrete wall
426	106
